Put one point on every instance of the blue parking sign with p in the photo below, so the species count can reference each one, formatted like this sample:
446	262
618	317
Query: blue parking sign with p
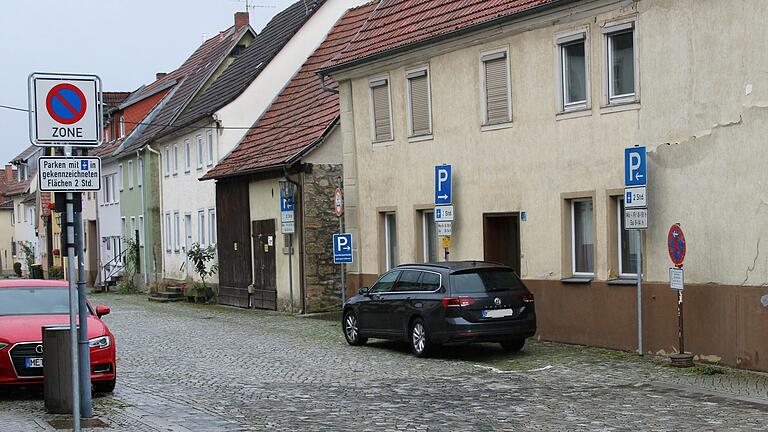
635	167
342	248
443	185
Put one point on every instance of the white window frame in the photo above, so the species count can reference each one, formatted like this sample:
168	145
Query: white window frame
140	173
483	105
122	127
187	156
130	174
619	223
120	176
413	74
141	230
123	228
201	227
609	29
175	159
212	237
209	143
167	164
168	232
133	227
573	237
563	39
425	216
200	151
176	231
376	82
388	265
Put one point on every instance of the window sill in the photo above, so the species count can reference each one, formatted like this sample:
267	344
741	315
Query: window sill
577	280
497	126
622	281
579	112
620	106
418	138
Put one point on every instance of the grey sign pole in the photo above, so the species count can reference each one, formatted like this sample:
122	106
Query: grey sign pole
84	351
640	292
72	303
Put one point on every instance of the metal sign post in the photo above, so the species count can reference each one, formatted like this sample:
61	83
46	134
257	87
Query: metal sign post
636	218
338	206
676	247
66	111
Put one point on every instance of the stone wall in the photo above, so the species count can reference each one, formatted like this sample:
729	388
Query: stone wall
322	277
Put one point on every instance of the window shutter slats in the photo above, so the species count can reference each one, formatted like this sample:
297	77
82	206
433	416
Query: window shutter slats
381	116
420	115
496	91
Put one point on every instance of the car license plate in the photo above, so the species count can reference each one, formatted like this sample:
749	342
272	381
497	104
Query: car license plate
497	313
34	362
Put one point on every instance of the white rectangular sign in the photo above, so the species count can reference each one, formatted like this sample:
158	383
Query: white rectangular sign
286	216
65	110
288	227
444	213
444	228
636	197
636	219
69	174
676	278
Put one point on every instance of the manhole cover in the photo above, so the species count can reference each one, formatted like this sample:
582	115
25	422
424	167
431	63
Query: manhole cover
66	423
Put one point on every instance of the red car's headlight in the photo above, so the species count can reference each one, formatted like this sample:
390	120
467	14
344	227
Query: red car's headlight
99	342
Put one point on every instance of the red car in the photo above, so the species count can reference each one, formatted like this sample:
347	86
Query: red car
28	305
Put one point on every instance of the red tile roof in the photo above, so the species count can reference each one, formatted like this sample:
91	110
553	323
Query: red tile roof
401	23
300	116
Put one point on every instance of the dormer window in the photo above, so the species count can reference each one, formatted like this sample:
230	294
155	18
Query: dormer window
122	127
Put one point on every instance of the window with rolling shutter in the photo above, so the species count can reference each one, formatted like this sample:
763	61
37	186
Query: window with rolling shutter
418	99
497	98
382	118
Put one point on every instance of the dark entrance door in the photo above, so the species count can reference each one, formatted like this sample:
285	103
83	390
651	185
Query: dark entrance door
501	239
233	231
265	274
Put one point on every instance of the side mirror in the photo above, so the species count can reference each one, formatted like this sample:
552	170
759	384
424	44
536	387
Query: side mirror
102	310
363	290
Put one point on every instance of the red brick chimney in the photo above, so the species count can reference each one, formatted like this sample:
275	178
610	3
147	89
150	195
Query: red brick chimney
9	173
160	75
241	20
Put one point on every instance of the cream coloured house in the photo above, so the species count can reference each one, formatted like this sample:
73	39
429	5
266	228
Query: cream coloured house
533	109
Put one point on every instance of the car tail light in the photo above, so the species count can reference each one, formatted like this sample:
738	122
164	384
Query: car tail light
457	301
527	297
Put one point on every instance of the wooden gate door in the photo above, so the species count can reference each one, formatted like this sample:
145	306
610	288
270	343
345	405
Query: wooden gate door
265	275
501	239
233	233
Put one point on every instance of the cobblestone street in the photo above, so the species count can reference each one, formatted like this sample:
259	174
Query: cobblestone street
184	367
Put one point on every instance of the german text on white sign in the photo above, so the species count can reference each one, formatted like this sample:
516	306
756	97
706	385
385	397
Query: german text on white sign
69	174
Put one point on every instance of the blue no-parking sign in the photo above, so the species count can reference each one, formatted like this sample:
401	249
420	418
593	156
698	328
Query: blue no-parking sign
342	248
634	167
443	194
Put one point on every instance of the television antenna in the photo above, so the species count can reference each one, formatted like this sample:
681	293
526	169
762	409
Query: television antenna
249	5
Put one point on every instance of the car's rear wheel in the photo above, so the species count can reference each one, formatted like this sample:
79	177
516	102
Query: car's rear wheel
513	346
104	386
420	344
352	329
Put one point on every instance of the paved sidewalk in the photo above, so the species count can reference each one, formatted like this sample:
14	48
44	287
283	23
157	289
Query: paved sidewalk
207	368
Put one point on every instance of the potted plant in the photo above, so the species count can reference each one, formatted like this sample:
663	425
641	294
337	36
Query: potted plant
200	257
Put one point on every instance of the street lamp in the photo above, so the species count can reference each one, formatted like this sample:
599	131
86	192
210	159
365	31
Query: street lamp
287	189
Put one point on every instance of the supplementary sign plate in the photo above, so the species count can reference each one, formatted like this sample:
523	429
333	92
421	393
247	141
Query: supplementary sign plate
288	227
69	174
342	248
636	219
676	278
444	213
444	228
65	110
636	197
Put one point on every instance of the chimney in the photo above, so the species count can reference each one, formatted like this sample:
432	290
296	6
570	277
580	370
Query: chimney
241	20
160	75
9	174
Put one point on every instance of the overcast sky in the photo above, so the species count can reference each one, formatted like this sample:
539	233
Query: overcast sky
125	42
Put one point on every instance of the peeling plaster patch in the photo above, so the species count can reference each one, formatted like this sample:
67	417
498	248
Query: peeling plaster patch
679	154
712	358
764	300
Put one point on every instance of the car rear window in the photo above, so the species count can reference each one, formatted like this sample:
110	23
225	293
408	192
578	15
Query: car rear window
34	301
485	280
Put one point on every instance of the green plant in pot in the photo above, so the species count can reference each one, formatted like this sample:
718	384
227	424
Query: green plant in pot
200	258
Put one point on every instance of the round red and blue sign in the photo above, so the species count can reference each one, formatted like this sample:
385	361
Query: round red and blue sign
66	103
676	245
